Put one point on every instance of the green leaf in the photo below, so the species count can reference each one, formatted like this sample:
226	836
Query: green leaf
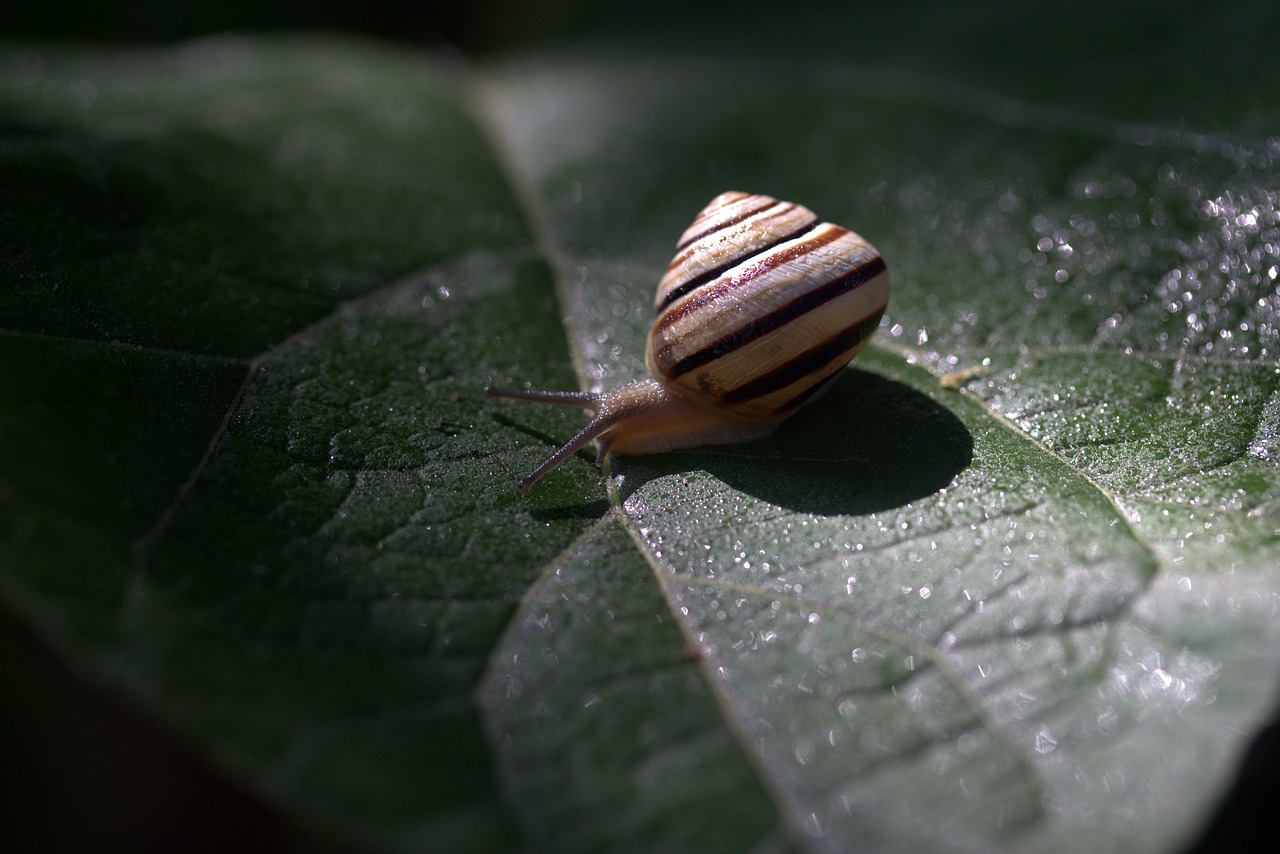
604	731
245	477
247	480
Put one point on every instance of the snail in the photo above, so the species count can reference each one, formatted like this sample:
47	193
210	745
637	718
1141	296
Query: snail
758	312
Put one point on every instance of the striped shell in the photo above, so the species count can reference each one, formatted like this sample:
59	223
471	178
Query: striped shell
761	306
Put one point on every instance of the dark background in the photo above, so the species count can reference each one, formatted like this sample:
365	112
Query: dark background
468	25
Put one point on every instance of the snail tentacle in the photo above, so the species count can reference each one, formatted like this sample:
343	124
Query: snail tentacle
576	399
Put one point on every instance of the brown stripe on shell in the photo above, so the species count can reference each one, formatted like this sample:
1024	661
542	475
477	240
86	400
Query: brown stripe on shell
718	204
688	250
716	272
816	240
808	363
725	234
758	327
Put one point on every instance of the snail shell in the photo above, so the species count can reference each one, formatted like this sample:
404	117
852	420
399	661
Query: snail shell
759	310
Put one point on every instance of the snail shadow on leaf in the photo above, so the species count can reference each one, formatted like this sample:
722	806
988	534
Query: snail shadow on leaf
514	424
870	444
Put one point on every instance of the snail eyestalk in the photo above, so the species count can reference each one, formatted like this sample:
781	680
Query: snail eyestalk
577	399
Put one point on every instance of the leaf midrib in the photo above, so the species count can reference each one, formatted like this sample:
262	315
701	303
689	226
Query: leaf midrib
485	102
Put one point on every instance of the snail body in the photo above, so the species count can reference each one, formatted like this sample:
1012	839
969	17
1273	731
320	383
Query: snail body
759	310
